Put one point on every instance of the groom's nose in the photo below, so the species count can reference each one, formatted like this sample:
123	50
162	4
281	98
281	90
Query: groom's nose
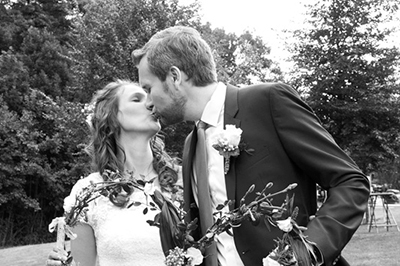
149	103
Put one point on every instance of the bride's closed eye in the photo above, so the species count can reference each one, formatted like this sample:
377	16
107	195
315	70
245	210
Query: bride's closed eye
138	97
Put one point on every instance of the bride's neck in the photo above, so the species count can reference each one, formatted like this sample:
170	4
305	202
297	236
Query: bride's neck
138	156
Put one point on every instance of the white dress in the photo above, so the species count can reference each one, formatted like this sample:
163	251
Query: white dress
123	237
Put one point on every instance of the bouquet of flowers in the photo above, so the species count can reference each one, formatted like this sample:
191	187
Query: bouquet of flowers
291	249
179	246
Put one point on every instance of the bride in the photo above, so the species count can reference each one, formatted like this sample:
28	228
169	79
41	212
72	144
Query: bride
124	138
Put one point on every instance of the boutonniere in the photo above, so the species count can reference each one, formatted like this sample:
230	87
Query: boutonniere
228	143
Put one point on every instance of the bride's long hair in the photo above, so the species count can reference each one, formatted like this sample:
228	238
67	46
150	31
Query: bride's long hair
104	147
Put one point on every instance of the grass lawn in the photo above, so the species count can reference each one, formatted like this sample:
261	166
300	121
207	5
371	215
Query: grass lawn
377	247
365	248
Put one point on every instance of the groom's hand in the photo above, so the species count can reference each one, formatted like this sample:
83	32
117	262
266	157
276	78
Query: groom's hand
303	228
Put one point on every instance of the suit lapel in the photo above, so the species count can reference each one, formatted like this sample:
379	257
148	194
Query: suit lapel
231	106
231	109
188	155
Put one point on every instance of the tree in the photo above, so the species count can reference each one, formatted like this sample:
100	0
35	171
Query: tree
41	133
14	81
45	58
41	159
37	33
350	77
243	59
109	31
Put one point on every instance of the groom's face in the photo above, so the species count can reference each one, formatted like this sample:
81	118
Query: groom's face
167	102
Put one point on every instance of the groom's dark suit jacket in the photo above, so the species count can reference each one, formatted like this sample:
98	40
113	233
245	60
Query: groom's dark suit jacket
290	146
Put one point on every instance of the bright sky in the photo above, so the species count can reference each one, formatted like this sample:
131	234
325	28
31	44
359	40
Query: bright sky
265	18
259	15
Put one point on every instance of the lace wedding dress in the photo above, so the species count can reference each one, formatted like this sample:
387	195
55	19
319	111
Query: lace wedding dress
123	237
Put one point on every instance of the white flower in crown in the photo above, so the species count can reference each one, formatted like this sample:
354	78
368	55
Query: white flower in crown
88	110
89	119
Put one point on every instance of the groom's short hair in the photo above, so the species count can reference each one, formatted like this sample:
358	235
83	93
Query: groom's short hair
182	47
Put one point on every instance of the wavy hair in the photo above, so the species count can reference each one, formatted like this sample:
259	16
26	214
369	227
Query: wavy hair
105	129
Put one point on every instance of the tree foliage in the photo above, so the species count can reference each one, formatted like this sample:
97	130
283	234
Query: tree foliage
350	76
41	133
243	59
41	159
36	34
109	31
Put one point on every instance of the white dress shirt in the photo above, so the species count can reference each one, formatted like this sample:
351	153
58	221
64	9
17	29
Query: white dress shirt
213	115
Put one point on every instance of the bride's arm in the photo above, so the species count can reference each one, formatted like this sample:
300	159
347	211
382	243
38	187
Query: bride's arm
84	246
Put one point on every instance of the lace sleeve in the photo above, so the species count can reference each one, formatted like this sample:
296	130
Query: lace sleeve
70	200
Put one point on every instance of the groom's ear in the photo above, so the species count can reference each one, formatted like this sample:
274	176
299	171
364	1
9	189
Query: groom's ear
175	74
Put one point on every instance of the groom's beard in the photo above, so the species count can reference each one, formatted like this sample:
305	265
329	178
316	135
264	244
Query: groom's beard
174	112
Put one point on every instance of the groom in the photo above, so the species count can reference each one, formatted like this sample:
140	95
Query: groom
177	69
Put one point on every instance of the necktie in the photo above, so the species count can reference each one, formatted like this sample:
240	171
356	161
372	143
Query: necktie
204	198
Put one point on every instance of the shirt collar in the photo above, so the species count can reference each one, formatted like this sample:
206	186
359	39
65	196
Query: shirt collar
214	107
